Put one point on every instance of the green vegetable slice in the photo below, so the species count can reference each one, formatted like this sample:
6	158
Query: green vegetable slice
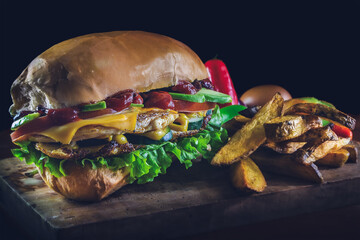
214	96
195	123
136	105
93	107
229	112
199	98
24	120
204	95
315	100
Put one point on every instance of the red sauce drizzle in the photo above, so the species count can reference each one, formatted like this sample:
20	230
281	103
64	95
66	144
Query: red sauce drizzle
184	87
159	99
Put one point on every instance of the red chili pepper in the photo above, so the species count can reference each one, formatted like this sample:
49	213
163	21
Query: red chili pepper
220	78
342	131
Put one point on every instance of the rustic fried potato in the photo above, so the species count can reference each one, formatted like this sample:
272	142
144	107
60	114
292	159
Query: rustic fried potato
246	140
287	127
322	111
353	151
323	149
284	164
286	147
324	133
291	102
335	158
246	176
316	137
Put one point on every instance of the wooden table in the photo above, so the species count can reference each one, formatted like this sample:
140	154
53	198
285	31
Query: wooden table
293	214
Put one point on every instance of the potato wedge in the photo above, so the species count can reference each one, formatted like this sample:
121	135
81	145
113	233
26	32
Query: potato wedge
287	127
354	154
291	102
246	176
322	111
316	137
246	140
284	164
335	158
286	147
323	149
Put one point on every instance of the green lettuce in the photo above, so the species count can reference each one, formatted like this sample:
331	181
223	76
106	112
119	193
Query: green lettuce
143	164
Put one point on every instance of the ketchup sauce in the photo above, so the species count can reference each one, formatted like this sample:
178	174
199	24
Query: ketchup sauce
184	87
159	99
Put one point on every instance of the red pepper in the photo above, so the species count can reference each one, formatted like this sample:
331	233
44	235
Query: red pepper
342	131
220	78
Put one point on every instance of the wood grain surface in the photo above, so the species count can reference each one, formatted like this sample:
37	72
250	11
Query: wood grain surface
180	203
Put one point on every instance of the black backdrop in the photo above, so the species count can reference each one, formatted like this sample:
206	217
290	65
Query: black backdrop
311	48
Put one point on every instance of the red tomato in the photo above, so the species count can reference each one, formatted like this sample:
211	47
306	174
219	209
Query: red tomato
185	106
159	99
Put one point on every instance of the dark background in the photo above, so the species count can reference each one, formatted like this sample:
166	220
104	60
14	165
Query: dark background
311	48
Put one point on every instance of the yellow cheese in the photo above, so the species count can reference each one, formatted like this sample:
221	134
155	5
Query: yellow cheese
124	121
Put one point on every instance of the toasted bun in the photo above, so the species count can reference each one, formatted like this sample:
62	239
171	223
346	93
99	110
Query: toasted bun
85	183
95	66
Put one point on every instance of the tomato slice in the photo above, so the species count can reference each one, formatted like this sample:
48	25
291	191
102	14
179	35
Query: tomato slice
185	106
36	125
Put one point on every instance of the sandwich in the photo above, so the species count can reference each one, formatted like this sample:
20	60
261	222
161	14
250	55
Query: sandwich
100	111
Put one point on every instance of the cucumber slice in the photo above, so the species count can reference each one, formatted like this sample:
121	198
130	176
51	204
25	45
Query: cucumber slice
24	120
167	137
195	123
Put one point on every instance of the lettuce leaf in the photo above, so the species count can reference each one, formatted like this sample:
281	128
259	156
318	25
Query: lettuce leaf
144	164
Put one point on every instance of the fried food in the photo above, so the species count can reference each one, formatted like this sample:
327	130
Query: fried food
315	138
284	164
323	149
246	140
353	151
246	176
322	111
335	158
286	147
291	126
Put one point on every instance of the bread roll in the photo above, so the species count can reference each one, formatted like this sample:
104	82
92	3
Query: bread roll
95	66
84	183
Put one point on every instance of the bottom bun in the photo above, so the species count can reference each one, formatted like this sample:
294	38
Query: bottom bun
84	183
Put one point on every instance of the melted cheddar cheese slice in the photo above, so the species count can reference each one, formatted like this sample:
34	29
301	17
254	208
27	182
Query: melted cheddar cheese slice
123	121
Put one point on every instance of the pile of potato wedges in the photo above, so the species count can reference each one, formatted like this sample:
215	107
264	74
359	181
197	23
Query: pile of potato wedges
287	138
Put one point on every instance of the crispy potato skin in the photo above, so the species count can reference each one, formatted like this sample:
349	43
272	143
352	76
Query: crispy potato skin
335	158
246	176
322	111
291	126
283	164
353	151
246	140
286	147
315	138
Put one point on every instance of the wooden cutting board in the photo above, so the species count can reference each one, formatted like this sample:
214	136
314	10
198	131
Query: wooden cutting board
180	203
